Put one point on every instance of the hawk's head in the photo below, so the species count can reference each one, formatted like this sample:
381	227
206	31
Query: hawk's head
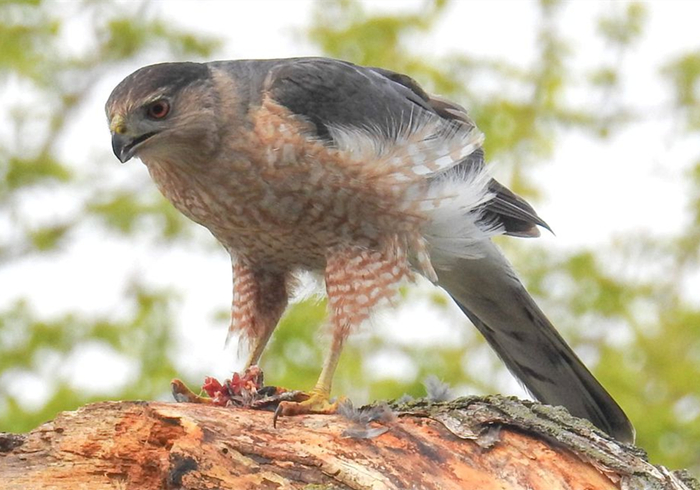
162	109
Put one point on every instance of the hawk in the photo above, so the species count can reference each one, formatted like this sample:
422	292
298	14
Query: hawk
356	173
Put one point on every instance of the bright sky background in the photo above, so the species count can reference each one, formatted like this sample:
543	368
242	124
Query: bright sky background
594	190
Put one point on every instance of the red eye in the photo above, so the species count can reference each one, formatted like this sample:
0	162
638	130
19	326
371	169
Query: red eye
158	109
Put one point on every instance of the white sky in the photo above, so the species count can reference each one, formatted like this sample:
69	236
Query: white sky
594	190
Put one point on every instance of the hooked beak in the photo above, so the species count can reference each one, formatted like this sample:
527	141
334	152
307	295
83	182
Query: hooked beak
125	146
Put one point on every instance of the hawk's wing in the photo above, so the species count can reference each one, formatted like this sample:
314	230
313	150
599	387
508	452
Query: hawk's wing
332	93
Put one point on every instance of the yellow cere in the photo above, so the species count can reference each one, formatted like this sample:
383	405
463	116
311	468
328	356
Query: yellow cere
117	125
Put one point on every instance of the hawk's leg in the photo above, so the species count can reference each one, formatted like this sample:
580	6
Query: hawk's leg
259	299
357	278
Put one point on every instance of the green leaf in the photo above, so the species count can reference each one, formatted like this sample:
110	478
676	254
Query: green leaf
23	172
48	238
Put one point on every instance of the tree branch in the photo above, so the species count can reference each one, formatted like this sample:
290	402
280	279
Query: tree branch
476	442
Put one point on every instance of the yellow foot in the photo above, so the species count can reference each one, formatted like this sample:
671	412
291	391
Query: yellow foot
183	394
316	401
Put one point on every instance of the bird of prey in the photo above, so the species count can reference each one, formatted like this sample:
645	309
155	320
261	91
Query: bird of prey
355	173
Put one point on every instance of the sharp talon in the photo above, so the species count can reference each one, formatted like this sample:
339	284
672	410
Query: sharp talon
278	411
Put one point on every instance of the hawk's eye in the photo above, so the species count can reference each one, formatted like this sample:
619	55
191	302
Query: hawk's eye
158	109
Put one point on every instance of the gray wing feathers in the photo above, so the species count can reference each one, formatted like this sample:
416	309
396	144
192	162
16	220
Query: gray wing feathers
490	294
515	214
332	93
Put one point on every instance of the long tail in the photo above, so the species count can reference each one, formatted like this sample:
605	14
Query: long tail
491	295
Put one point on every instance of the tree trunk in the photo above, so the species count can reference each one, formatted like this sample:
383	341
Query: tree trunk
471	443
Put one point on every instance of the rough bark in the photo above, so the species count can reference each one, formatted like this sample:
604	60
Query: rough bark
471	443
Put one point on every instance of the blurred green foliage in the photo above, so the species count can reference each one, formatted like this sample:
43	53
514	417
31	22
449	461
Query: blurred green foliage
651	365
33	60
